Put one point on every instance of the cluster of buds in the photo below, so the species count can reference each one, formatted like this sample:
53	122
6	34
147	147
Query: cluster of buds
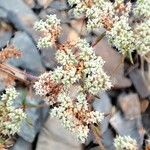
142	9
78	67
75	114
47	88
125	143
50	30
121	20
10	116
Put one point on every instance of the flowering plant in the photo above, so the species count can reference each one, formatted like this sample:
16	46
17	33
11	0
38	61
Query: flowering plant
11	117
125	143
82	70
71	87
126	24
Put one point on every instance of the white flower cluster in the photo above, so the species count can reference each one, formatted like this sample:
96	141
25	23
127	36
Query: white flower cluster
75	115
40	89
50	28
47	88
104	10
121	27
125	143
122	36
80	9
142	9
82	68
44	42
143	38
67	76
65	57
94	77
10	116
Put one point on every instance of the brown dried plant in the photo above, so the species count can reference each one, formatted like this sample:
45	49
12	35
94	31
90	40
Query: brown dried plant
9	52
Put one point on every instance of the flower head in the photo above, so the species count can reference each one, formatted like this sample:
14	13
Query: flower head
79	66
125	143
50	28
10	116
122	28
75	115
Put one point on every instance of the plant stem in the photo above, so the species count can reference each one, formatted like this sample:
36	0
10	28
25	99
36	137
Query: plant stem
99	38
17	73
97	137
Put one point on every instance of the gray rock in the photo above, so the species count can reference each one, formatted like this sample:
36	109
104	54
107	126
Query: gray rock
2	86
108	139
54	136
35	119
59	5
30	59
44	3
3	13
103	105
146	119
20	15
103	49
21	144
47	11
125	126
130	105
30	3
61	15
4	38
36	112
68	34
140	83
48	58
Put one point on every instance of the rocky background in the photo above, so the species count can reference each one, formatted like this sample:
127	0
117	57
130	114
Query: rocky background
128	100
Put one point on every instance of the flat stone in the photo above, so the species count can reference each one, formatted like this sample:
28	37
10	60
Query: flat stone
130	105
35	116
59	5
139	82
146	119
108	140
30	59
3	13
112	61
103	105
125	126
4	38
30	3
48	58
54	136
79	26
68	34
44	3
62	15
21	144
20	14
